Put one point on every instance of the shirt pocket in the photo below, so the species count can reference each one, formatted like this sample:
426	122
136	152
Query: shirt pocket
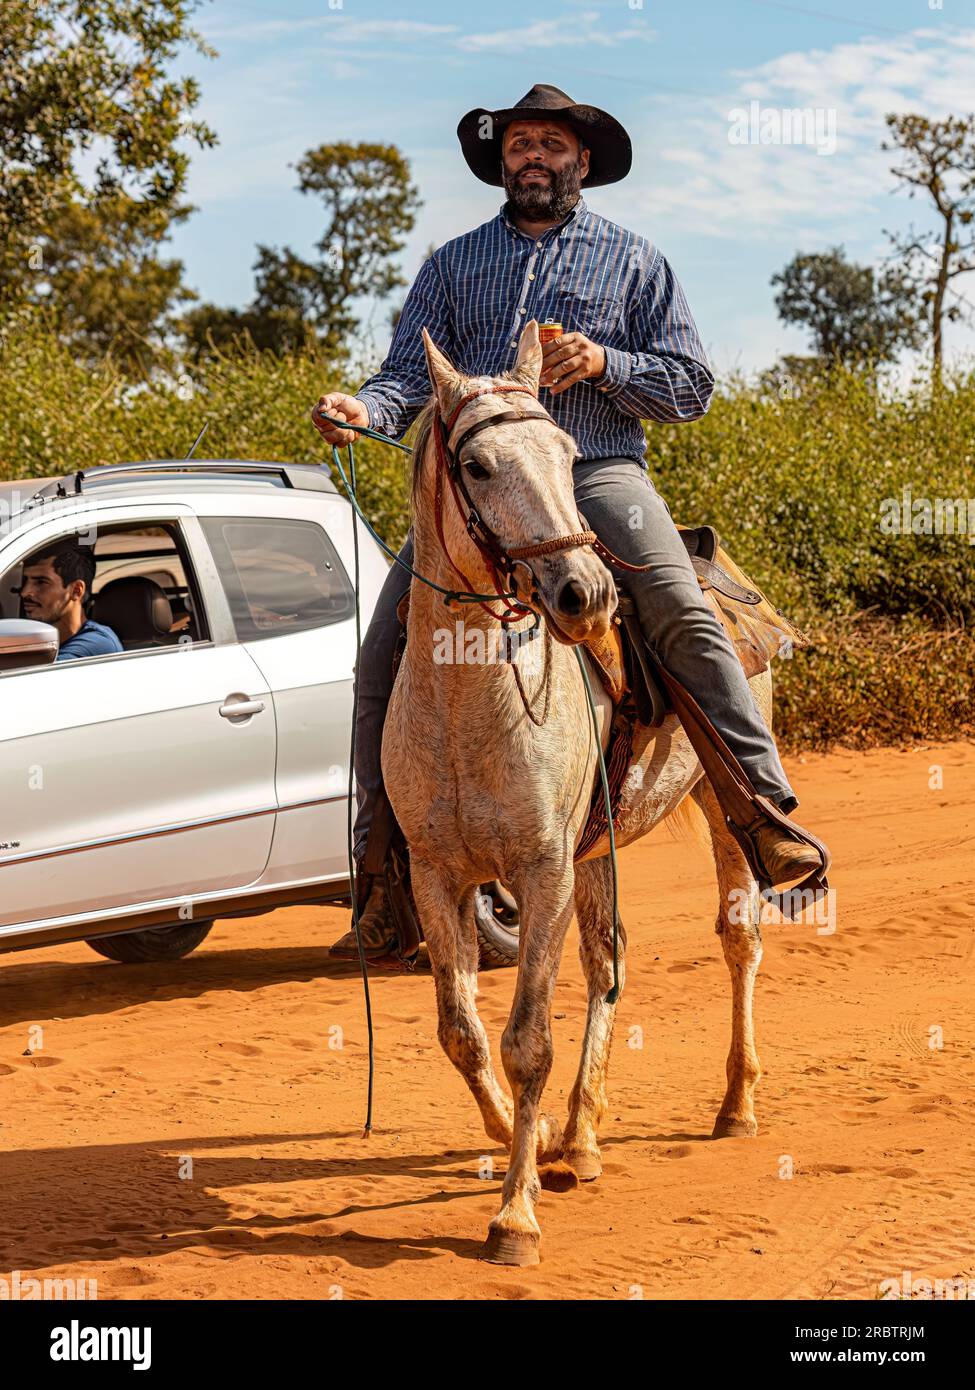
596	316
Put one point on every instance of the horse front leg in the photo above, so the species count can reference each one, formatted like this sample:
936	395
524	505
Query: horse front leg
587	1103
741	940
447	915
526	1050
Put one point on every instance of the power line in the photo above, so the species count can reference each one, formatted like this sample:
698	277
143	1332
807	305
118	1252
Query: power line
825	14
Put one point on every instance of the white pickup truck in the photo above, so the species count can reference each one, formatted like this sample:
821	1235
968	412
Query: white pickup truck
203	771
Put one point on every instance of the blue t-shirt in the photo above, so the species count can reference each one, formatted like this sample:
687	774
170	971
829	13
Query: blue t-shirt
91	639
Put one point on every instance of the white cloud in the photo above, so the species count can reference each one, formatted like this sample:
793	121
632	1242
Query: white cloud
334	25
587	29
727	215
759	189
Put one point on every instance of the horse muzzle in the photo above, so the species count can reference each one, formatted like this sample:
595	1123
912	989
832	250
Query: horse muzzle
578	600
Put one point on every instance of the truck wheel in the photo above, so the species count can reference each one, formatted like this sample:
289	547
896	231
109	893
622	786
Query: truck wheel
497	923
153	944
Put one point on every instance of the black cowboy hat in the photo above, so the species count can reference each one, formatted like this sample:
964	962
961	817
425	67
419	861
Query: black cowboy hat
610	152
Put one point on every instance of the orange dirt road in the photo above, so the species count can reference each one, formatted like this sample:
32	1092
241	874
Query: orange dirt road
249	1059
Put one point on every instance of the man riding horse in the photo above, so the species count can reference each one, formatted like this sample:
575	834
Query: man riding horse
630	352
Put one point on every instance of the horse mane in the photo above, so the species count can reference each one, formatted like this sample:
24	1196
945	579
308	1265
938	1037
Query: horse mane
421	440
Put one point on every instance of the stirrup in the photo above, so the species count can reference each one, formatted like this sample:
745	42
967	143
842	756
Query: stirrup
791	902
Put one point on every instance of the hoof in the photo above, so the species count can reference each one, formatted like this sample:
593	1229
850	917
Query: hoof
586	1165
510	1247
558	1177
727	1128
549	1145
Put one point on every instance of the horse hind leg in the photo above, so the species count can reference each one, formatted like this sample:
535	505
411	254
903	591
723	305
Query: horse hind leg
587	1103
741	940
448	927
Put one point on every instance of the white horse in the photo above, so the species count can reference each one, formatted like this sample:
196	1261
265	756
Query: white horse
492	781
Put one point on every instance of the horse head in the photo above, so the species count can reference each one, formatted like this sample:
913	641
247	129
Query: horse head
516	475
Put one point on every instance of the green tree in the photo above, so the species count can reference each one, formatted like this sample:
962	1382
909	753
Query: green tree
853	314
370	205
108	290
939	158
84	78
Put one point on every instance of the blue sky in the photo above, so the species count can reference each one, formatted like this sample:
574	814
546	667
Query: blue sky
306	72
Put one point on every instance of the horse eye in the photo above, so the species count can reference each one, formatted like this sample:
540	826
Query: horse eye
477	470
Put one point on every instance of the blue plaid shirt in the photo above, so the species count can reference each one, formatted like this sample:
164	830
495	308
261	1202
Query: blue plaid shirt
476	292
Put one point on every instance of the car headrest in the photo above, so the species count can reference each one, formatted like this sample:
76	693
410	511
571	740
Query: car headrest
135	608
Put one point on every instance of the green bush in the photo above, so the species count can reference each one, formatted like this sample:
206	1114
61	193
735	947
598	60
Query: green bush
868	679
795	487
56	416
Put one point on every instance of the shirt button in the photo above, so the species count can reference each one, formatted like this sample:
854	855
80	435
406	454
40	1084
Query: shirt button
538	243
514	344
523	311
531	277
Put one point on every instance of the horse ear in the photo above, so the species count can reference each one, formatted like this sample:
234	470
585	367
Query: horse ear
443	374
528	363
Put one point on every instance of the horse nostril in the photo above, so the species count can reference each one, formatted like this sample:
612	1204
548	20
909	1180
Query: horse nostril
573	598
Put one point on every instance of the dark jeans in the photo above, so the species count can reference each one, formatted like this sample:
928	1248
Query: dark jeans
621	505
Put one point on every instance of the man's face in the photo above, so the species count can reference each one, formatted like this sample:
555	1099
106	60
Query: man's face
543	164
44	595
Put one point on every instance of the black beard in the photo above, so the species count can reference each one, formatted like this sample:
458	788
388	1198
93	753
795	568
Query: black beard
542	202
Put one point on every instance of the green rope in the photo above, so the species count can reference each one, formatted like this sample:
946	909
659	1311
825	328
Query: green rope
614	993
363	968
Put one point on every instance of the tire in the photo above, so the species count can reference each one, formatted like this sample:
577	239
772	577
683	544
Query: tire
497	929
152	945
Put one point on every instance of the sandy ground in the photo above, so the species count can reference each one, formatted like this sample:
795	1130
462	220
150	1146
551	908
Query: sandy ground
249	1059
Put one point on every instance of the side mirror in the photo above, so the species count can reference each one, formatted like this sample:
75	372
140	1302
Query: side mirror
24	642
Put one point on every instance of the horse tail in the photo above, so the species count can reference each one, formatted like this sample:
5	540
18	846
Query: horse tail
688	822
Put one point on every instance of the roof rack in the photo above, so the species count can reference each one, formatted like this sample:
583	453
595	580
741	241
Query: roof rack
307	476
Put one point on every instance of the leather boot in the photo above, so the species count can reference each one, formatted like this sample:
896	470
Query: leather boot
376	928
784	857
